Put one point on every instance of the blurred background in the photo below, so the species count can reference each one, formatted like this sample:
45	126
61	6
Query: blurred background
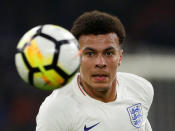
149	51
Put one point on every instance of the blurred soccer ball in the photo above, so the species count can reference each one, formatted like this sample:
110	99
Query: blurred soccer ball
47	57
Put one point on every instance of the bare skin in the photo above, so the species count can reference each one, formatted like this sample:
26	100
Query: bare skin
101	57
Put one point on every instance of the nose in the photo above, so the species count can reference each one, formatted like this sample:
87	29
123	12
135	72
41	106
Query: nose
100	62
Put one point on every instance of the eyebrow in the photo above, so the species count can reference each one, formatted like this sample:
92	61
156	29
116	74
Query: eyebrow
88	48
107	49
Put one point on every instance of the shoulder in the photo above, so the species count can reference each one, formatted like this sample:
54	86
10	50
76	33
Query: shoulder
65	96
58	109
134	79
137	86
59	99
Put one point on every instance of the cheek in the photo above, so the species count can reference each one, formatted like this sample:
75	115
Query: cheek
115	61
84	61
113	65
85	64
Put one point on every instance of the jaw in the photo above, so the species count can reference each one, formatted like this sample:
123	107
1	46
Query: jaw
101	91
100	87
99	83
104	92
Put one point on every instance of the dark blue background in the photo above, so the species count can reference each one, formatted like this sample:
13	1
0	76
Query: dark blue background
148	22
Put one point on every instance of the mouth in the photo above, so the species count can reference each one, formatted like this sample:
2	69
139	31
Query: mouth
100	77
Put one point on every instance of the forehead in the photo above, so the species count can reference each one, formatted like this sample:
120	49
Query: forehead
99	41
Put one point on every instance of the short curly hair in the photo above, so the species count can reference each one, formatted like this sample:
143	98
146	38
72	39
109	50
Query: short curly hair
96	22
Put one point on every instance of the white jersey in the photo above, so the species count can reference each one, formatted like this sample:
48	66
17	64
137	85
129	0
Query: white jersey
71	109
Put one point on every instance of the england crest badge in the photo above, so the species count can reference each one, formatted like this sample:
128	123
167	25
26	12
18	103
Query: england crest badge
136	114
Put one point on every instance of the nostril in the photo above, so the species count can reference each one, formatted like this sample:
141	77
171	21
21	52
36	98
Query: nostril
100	62
100	65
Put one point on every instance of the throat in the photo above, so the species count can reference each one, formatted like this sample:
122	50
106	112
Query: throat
107	94
104	96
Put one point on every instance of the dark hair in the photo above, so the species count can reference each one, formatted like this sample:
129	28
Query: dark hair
96	22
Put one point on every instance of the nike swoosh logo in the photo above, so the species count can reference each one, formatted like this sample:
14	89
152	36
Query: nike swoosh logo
88	128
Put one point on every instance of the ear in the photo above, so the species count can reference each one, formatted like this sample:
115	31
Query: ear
120	57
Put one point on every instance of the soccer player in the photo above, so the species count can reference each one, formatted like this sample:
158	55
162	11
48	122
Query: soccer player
98	98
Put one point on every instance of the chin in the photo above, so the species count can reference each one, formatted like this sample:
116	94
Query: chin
101	87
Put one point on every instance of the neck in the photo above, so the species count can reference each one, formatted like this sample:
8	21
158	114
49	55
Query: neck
104	95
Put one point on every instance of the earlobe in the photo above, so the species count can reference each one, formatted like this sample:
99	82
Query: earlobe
120	59
121	56
119	62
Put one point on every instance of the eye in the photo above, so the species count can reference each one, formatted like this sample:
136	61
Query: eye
89	53
109	53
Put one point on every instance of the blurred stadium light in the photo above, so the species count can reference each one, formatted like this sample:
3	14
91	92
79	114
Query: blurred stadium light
150	66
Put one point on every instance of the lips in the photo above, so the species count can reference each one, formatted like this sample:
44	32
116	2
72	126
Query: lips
100	77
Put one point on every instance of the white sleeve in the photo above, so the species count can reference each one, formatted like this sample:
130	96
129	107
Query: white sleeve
150	94
140	87
52	117
148	126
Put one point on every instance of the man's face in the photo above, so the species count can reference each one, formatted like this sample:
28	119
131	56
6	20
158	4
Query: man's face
101	56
